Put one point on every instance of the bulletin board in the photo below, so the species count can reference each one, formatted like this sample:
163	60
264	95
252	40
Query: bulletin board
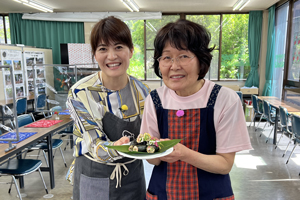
22	58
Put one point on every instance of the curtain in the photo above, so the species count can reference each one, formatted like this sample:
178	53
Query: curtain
270	52
254	38
45	34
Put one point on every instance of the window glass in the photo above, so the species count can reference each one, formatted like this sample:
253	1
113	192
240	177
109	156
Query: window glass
2	37
235	56
152	26
212	24
136	67
281	17
7	29
294	57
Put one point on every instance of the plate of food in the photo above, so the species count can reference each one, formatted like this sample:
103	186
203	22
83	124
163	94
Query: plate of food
145	147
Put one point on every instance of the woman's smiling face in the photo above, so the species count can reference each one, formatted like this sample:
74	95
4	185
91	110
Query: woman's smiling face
113	59
180	78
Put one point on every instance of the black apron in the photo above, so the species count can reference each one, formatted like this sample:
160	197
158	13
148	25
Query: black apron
93	180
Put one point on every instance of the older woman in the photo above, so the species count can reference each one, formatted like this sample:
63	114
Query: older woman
207	117
106	107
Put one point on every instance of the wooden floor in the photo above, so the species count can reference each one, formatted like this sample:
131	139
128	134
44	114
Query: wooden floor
261	173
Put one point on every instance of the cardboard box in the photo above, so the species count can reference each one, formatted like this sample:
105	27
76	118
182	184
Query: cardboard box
234	87
249	90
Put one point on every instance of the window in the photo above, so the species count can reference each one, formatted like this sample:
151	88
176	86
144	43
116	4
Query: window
212	23
137	61
294	56
152	26
281	19
235	56
233	45
4	29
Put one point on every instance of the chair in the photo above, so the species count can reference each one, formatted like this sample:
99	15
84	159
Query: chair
256	109
41	105
284	125
296	132
240	95
267	115
56	143
21	107
68	131
21	167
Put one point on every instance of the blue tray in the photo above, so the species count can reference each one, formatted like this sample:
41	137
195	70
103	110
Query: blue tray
13	135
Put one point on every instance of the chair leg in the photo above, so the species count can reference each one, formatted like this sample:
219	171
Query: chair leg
269	135
38	155
258	122
263	129
291	154
68	142
62	155
43	180
279	139
45	156
287	147
17	187
10	185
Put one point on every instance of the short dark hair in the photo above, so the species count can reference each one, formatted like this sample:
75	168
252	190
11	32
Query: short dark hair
108	30
185	35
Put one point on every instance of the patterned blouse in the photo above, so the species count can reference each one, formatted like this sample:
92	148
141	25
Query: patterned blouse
88	101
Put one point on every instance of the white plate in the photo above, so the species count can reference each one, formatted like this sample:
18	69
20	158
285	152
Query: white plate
146	155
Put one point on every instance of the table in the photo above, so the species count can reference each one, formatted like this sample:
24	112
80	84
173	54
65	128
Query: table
295	113
30	98
275	103
41	133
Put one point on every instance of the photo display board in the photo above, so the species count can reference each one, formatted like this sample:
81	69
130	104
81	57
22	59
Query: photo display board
30	58
14	58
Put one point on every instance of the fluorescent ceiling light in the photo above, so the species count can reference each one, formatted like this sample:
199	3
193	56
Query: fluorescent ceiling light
240	4
131	5
36	5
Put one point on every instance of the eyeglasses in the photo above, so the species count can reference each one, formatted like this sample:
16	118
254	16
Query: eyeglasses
181	60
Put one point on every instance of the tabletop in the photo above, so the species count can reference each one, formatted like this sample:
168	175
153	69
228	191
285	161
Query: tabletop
276	102
41	133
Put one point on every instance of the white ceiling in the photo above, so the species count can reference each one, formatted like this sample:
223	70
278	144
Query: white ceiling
165	6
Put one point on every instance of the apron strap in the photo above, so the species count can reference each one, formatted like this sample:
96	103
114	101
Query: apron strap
117	172
156	99
213	96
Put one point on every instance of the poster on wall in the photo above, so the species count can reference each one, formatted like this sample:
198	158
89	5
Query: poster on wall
14	58
30	58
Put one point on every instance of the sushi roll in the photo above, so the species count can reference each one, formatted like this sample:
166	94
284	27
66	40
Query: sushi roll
152	148
147	137
130	148
140	138
139	148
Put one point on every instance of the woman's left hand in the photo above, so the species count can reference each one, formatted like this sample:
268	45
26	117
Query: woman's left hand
122	140
177	154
